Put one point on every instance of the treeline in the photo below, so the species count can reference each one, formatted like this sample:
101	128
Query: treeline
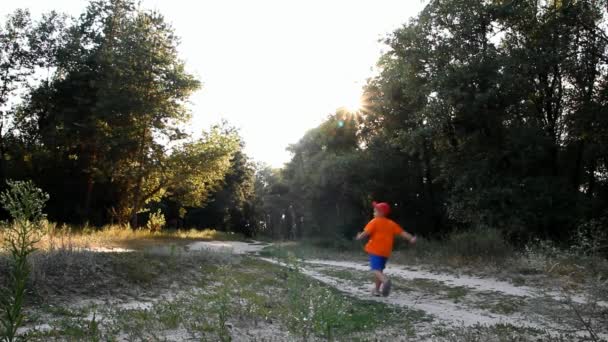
486	113
483	114
100	117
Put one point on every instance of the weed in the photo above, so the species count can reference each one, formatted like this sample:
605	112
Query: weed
221	306
457	293
25	203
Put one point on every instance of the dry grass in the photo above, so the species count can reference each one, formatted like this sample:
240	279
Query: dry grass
64	237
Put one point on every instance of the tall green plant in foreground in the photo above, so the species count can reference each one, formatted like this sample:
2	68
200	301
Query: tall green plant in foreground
24	202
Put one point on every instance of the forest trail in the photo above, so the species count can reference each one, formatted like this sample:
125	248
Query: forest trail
451	299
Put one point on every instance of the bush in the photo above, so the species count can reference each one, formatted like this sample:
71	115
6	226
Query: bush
480	243
591	238
156	221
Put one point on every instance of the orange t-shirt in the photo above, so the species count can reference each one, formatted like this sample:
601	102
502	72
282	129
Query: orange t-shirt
382	233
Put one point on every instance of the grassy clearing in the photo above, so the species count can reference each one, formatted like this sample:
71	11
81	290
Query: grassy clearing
218	297
227	301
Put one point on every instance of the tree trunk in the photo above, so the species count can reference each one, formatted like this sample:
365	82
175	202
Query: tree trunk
578	166
90	185
88	196
2	163
140	180
294	227
591	182
428	186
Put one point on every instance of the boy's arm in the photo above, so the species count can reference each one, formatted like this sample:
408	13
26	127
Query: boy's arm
367	231
362	235
407	236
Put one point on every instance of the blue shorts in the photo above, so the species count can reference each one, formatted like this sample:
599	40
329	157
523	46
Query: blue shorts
377	263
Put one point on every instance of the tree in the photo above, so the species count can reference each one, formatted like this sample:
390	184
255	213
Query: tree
483	113
272	200
114	103
231	207
489	96
24	47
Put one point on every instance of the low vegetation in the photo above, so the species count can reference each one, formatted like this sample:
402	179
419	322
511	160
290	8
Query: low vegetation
220	298
165	291
54	236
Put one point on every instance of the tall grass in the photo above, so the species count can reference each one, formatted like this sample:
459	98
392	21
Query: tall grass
64	237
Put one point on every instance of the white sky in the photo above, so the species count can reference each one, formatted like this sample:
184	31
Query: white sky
273	68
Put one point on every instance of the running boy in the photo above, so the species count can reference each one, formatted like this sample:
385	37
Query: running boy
381	232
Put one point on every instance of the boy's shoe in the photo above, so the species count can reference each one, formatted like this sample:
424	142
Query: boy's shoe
376	293
386	287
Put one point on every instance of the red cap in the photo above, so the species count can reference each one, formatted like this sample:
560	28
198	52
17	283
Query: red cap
383	207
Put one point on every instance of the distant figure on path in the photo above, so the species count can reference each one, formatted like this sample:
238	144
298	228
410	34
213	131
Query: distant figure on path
381	232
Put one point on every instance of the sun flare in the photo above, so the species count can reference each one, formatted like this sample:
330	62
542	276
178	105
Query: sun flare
354	105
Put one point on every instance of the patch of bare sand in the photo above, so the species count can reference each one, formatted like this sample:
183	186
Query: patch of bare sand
234	247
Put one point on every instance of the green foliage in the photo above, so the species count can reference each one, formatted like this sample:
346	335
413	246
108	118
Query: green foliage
109	119
591	238
314	310
156	221
482	243
25	203
221	306
231	205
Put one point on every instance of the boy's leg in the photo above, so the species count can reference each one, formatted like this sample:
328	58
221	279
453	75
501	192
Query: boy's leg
386	287
386	282
377	281
376	267
380	278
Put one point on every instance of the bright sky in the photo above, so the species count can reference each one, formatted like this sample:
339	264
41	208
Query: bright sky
273	68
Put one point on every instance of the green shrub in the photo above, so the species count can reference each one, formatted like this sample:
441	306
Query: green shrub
479	243
591	238
156	221
24	202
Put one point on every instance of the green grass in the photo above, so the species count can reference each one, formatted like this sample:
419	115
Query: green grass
359	315
500	303
456	294
352	275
